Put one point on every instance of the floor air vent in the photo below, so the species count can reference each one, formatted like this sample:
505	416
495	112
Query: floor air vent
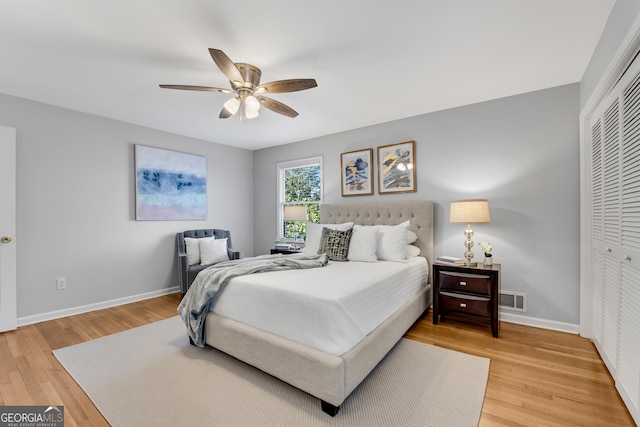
513	300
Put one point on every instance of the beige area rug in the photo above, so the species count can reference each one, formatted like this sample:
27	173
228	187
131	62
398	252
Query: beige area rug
151	376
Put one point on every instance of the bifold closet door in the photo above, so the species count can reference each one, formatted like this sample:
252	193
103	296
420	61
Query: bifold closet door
628	376
615	234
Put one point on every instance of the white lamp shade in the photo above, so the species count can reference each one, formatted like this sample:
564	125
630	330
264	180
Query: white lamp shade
295	213
232	105
252	103
251	107
251	114
475	211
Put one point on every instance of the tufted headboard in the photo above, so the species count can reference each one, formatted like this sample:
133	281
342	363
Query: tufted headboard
418	212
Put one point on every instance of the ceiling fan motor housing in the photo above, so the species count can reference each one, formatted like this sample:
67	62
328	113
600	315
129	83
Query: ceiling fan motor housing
250	73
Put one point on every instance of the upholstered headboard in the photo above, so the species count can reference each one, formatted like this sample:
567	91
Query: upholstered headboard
418	212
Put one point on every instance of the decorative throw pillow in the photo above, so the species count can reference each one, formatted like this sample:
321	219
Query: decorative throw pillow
193	250
392	242
213	250
335	243
314	234
364	244
412	251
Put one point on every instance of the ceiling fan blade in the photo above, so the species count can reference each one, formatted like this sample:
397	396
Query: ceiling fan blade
291	85
200	88
226	65
277	107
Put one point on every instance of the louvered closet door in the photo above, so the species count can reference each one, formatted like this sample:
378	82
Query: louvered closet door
597	232
611	228
606	228
615	235
628	378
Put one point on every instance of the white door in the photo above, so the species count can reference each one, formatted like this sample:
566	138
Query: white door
615	234
8	306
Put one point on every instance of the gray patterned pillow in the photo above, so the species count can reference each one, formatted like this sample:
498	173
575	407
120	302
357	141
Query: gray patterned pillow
335	243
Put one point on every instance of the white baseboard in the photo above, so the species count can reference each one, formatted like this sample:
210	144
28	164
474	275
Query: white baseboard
37	318
539	323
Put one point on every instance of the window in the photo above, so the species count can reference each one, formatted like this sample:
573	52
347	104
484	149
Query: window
299	183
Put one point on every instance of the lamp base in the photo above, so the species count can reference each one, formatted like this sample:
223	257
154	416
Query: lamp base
295	239
468	244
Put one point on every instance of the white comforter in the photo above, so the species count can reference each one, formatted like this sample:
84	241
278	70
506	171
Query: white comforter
330	308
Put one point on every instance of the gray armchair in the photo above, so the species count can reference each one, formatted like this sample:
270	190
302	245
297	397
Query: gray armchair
187	273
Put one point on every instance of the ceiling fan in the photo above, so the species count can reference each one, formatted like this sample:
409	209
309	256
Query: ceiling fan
245	82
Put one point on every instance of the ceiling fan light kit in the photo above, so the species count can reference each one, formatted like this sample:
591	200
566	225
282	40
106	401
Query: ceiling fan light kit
245	82
232	105
252	103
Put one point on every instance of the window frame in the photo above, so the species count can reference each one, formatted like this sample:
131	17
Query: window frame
281	168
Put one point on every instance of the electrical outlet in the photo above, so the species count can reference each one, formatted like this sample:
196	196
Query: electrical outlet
61	283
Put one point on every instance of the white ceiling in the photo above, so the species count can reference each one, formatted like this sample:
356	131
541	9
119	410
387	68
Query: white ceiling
374	61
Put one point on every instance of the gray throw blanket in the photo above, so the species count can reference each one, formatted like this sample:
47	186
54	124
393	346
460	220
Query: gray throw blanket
210	282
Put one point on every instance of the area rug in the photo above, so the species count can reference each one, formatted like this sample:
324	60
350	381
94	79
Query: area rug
151	376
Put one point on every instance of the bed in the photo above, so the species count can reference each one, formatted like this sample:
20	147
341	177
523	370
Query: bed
331	374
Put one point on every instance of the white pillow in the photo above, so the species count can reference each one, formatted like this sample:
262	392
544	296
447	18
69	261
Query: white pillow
314	234
412	251
213	250
364	244
411	237
392	242
193	250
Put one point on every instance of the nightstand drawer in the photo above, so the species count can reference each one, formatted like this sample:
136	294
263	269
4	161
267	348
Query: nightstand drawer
480	306
464	282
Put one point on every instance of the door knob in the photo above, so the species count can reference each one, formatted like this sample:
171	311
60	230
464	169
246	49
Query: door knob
6	239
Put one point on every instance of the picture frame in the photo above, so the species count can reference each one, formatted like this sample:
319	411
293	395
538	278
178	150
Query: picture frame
397	168
356	172
170	185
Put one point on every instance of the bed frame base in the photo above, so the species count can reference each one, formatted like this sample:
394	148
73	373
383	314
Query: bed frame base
328	377
330	409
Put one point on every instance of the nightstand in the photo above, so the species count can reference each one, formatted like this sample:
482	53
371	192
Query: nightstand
285	251
469	290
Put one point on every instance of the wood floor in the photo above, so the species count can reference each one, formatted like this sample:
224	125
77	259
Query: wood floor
537	377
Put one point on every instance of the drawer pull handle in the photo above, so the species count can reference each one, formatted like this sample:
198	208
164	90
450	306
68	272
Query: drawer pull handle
463	305
463	283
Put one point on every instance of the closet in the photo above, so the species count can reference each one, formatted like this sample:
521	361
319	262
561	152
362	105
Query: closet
614	171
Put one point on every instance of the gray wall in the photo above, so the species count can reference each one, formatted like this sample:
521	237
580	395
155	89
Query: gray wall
521	153
75	207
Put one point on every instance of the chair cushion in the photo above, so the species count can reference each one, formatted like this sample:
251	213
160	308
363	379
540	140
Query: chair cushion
213	250
193	250
193	271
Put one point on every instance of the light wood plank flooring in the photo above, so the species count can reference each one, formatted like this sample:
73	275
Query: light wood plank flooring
537	377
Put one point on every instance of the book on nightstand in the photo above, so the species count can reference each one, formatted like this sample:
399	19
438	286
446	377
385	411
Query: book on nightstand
284	246
451	260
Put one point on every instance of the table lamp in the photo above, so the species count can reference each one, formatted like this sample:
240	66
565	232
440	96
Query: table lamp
294	213
474	211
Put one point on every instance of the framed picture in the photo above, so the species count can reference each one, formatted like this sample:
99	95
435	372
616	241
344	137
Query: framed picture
397	168
170	185
356	173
